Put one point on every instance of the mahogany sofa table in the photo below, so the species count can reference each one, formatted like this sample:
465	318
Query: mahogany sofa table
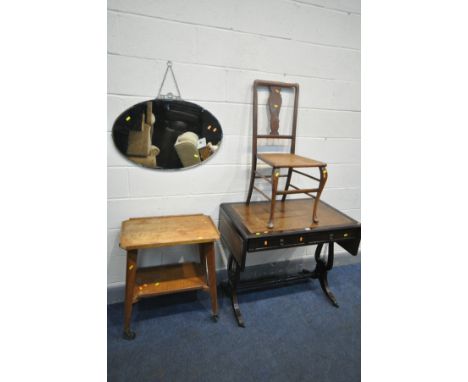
164	231
243	229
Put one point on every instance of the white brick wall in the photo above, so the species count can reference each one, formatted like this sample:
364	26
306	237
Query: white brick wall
218	48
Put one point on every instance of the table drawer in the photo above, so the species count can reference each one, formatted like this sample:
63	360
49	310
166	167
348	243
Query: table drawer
309	238
343	235
273	242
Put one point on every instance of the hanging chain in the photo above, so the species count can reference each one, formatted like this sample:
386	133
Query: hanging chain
169	95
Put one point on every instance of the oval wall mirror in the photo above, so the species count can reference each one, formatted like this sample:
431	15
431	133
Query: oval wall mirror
167	134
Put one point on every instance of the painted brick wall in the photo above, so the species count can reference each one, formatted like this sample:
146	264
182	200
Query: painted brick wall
218	48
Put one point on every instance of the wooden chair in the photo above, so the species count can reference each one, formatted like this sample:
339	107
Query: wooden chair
277	161
140	148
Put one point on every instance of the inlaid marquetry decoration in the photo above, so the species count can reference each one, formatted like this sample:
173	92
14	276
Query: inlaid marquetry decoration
274	104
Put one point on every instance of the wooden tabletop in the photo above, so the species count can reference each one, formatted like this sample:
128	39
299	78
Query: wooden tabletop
293	214
161	231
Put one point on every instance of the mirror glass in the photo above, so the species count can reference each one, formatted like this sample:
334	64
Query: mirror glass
167	134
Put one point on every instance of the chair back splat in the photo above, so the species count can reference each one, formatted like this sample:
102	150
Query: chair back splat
274	106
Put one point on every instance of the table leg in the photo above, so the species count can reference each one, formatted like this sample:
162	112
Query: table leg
201	251
234	277
129	287
209	251
321	270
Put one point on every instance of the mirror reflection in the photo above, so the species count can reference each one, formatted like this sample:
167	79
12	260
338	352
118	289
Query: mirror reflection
167	134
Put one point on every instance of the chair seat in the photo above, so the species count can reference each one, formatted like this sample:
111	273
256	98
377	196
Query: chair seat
282	160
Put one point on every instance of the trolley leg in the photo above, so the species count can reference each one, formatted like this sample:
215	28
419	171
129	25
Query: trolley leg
129	287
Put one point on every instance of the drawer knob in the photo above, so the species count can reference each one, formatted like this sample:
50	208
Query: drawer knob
281	241
265	243
301	239
345	235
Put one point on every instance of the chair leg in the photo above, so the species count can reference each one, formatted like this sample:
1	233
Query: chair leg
288	182
252	180
274	188
323	180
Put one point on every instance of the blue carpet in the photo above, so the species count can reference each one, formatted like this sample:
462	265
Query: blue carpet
292	333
